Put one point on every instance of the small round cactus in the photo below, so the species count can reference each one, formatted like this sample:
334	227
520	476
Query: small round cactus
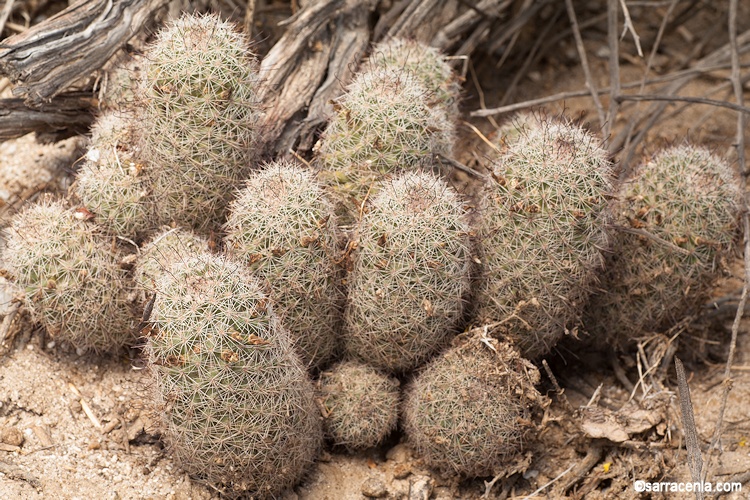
360	405
677	219
111	184
284	229
71	278
544	225
200	116
157	255
467	411
411	274
383	124
237	405
425	63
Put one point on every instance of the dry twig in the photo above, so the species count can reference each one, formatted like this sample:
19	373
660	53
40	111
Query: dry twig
614	68
585	62
739	95
5	14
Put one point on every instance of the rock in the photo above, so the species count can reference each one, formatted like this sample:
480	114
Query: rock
421	488
11	436
399	453
401	471
374	488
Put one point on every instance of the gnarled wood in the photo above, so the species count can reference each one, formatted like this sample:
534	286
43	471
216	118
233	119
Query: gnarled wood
50	56
71	111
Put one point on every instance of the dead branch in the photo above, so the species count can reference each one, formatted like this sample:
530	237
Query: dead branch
17	473
739	95
647	119
695	461
614	67
296	66
46	59
71	111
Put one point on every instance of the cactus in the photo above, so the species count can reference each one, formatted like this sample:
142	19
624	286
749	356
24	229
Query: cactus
411	273
360	405
425	63
544	225
284	229
467	411
71	278
111	184
514	128
170	246
237	405
383	125
677	221
200	113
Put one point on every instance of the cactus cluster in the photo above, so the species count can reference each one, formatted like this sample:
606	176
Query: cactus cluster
235	336
283	227
200	116
467	411
238	406
543	229
71	277
360	405
411	273
677	220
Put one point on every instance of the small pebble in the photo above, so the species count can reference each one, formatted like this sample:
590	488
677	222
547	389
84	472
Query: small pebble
401	471
374	488
11	436
421	488
399	453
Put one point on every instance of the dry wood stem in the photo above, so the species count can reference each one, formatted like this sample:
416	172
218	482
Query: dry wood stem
49	57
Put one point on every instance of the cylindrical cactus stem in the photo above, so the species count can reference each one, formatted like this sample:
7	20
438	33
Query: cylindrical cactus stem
411	273
544	224
383	125
112	184
200	117
423	62
284	228
237	405
360	405
157	255
468	410
677	222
